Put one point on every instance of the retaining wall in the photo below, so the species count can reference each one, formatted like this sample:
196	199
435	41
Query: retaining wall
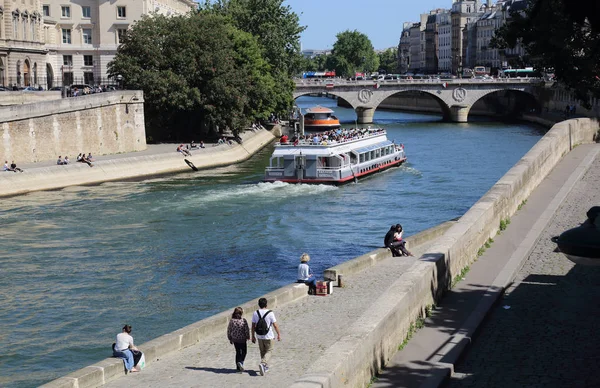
376	335
112	368
53	177
15	98
103	123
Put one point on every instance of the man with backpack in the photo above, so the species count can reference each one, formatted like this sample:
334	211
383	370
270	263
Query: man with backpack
263	322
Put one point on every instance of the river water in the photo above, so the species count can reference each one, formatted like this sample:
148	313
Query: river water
77	264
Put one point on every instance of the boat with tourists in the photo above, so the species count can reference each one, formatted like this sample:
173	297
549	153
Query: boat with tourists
320	118
333	157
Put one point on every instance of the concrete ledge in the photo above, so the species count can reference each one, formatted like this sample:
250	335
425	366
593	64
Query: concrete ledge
55	177
355	358
367	260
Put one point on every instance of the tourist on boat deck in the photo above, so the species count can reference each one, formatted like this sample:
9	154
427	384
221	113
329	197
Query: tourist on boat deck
284	139
305	276
399	242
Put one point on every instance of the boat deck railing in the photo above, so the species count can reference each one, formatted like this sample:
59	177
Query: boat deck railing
328	142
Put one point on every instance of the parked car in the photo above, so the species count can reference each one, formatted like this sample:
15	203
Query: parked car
31	89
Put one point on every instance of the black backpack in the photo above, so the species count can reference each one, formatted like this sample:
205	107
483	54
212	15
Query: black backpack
261	326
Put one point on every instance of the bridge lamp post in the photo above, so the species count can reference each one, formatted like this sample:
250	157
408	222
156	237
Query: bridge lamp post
581	245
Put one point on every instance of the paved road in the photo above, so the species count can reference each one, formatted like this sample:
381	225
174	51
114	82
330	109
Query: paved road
544	332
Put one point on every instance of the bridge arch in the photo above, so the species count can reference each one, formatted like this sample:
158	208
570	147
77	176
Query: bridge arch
455	97
507	102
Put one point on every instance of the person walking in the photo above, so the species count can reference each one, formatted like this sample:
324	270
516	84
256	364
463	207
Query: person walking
238	334
263	322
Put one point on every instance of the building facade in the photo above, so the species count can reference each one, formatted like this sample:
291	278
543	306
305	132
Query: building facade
463	12
404	49
444	48
415	48
22	52
82	36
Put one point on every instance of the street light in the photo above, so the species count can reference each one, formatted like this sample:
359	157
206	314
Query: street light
120	81
581	245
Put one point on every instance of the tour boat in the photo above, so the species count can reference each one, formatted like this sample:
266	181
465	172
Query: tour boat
334	157
320	119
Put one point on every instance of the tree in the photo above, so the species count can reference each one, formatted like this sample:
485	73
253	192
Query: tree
352	52
558	37
196	70
277	30
388	60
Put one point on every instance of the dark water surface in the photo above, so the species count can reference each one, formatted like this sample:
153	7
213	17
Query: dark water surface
77	264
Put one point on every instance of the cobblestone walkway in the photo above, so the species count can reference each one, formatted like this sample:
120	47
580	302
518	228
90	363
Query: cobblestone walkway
308	328
544	332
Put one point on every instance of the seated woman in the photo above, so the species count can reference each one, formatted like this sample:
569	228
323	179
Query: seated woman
305	276
399	242
124	348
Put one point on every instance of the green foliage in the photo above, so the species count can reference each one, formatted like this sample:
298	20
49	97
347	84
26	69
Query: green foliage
558	35
504	223
521	204
460	276
418	324
277	30
480	252
352	52
196	70
388	61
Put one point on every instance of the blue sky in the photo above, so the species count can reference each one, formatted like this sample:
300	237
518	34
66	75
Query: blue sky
380	20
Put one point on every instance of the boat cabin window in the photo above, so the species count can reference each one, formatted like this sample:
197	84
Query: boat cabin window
372	155
377	153
277	162
353	158
362	158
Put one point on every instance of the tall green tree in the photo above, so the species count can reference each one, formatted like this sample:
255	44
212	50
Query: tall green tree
196	71
277	30
352	52
388	60
557	36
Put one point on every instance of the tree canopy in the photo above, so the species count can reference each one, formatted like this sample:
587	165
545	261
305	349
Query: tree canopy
388	61
194	70
277	30
559	35
352	52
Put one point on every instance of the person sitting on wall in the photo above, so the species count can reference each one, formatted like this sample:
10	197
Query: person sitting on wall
82	159
89	157
66	161
183	150
6	167
389	240
59	161
193	145
13	167
201	144
305	276
399	242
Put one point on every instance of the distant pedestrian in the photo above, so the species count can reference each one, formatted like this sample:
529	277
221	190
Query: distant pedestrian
13	167
263	322
238	333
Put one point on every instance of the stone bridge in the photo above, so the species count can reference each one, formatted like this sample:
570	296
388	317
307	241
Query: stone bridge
456	97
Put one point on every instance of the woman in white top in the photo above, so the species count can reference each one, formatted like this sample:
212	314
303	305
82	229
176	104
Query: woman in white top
305	276
123	348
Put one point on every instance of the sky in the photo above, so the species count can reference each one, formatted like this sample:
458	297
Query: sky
380	20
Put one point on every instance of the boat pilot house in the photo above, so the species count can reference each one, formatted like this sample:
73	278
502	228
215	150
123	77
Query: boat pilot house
334	157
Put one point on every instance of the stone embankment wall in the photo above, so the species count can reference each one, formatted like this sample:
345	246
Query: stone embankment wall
134	166
17	98
103	123
356	358
112	368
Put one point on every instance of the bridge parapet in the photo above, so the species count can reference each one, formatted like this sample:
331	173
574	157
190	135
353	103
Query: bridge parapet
456	96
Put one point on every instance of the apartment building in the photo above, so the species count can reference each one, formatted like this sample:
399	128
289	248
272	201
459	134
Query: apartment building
463	12
82	36
404	48
415	48
22	52
444	39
